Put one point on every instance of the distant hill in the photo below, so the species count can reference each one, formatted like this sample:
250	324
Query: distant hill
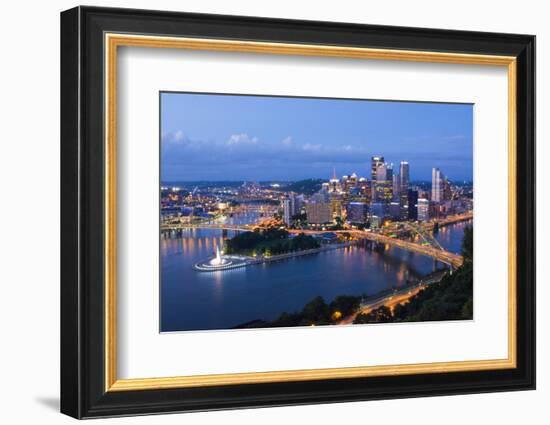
204	183
307	187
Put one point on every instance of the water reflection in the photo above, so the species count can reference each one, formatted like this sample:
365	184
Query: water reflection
223	299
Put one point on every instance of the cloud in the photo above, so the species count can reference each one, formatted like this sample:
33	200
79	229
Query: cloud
287	141
174	137
242	147
242	138
179	136
242	154
310	147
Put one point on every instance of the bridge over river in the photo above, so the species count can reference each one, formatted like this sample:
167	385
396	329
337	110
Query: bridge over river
436	252
439	254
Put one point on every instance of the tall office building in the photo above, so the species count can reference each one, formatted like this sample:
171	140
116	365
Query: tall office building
381	173
382	190
396	186
447	191
364	186
394	210
378	211
404	190
376	161
412	204
318	212
438	185
289	208
357	212
321	196
404	176
336	204
389	172
299	202
287	212
423	209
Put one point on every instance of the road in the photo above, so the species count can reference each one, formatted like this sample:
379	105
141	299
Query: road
402	296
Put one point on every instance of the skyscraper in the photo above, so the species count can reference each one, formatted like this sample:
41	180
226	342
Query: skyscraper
438	183
377	209
396	186
318	212
389	172
447	191
336	203
357	212
412	205
287	213
381	172
404	176
394	210
423	209
382	184
376	161
404	189
364	186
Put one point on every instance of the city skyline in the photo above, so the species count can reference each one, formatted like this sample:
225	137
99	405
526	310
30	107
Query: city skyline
279	138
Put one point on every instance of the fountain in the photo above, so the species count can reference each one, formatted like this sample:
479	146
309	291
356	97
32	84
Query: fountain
218	260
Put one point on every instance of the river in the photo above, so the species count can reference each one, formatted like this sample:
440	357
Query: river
192	300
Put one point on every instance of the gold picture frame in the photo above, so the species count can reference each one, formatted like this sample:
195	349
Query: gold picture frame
113	41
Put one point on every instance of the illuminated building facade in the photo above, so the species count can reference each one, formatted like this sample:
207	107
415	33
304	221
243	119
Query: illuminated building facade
404	190
438	181
423	209
357	212
318	212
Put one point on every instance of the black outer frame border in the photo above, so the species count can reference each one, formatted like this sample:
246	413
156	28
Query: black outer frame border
82	206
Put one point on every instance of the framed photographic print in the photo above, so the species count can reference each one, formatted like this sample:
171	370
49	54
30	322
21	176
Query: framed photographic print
261	212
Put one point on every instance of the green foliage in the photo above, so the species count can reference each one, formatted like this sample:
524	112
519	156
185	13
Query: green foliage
272	241
338	225
345	304
303	242
299	217
243	242
468	244
468	308
299	221
380	315
316	311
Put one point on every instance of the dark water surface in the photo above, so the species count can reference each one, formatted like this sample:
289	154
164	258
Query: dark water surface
192	300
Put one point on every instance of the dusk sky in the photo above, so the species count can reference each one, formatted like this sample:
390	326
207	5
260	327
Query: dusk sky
223	137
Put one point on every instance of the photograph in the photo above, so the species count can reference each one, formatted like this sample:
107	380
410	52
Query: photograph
281	211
